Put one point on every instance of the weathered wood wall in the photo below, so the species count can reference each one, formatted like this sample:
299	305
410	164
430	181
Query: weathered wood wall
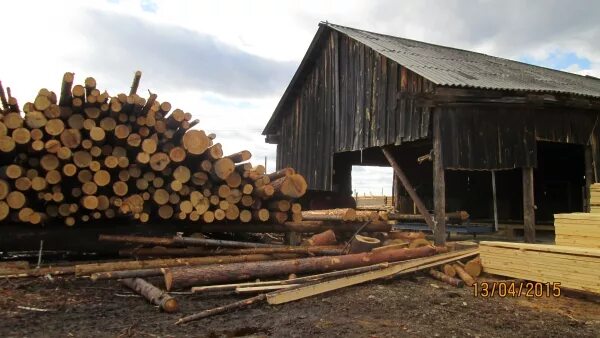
484	137
352	98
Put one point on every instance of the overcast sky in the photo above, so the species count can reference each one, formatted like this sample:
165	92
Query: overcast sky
228	62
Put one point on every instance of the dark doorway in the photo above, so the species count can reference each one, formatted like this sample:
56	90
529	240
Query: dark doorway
559	179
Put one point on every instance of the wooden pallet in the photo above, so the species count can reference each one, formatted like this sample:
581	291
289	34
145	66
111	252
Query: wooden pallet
573	267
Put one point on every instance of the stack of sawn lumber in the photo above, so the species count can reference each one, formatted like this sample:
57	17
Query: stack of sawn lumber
86	155
595	198
572	267
577	229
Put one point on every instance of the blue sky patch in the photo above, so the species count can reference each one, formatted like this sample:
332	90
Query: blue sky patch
558	60
149	6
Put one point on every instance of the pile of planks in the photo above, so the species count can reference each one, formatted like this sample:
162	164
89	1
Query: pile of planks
577	229
86	155
575	268
595	198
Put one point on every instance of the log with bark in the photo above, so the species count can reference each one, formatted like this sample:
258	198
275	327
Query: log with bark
189	276
153	294
446	279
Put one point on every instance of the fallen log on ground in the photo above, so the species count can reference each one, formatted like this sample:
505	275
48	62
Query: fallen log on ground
394	270
195	251
222	309
52	271
123	274
446	279
463	275
193	241
299	280
179	277
88	269
153	294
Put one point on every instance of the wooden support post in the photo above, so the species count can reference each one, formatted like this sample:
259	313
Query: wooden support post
589	177
409	188
495	200
528	206
439	183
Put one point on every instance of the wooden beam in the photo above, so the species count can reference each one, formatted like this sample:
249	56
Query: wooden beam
409	188
439	183
528	206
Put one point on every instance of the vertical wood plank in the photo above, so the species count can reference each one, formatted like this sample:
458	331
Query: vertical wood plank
589	177
439	182
528	205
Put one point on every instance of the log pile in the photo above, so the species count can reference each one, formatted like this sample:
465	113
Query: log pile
85	155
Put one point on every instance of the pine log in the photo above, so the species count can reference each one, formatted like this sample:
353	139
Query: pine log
449	270
469	281
345	215
136	82
148	268
193	241
446	279
153	294
281	173
473	267
323	238
187	276
163	241
241	156
293	186
363	244
222	309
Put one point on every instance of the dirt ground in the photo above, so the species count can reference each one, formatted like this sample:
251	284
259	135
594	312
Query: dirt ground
416	306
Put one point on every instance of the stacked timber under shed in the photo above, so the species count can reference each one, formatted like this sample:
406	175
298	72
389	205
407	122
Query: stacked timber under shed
86	155
574	261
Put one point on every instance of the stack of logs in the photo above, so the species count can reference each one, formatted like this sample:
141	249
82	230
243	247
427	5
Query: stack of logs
86	155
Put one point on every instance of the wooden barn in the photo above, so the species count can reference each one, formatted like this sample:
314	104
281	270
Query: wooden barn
500	139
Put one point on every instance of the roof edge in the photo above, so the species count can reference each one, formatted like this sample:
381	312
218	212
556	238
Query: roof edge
311	49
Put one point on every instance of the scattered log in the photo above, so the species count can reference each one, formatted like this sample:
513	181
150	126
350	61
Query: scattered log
323	238
222	309
330	215
463	275
90	268
153	294
446	279
299	280
220	243
449	270
473	267
363	244
189	276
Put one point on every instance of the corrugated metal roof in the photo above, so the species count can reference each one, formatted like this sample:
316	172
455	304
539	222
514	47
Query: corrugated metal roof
447	66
